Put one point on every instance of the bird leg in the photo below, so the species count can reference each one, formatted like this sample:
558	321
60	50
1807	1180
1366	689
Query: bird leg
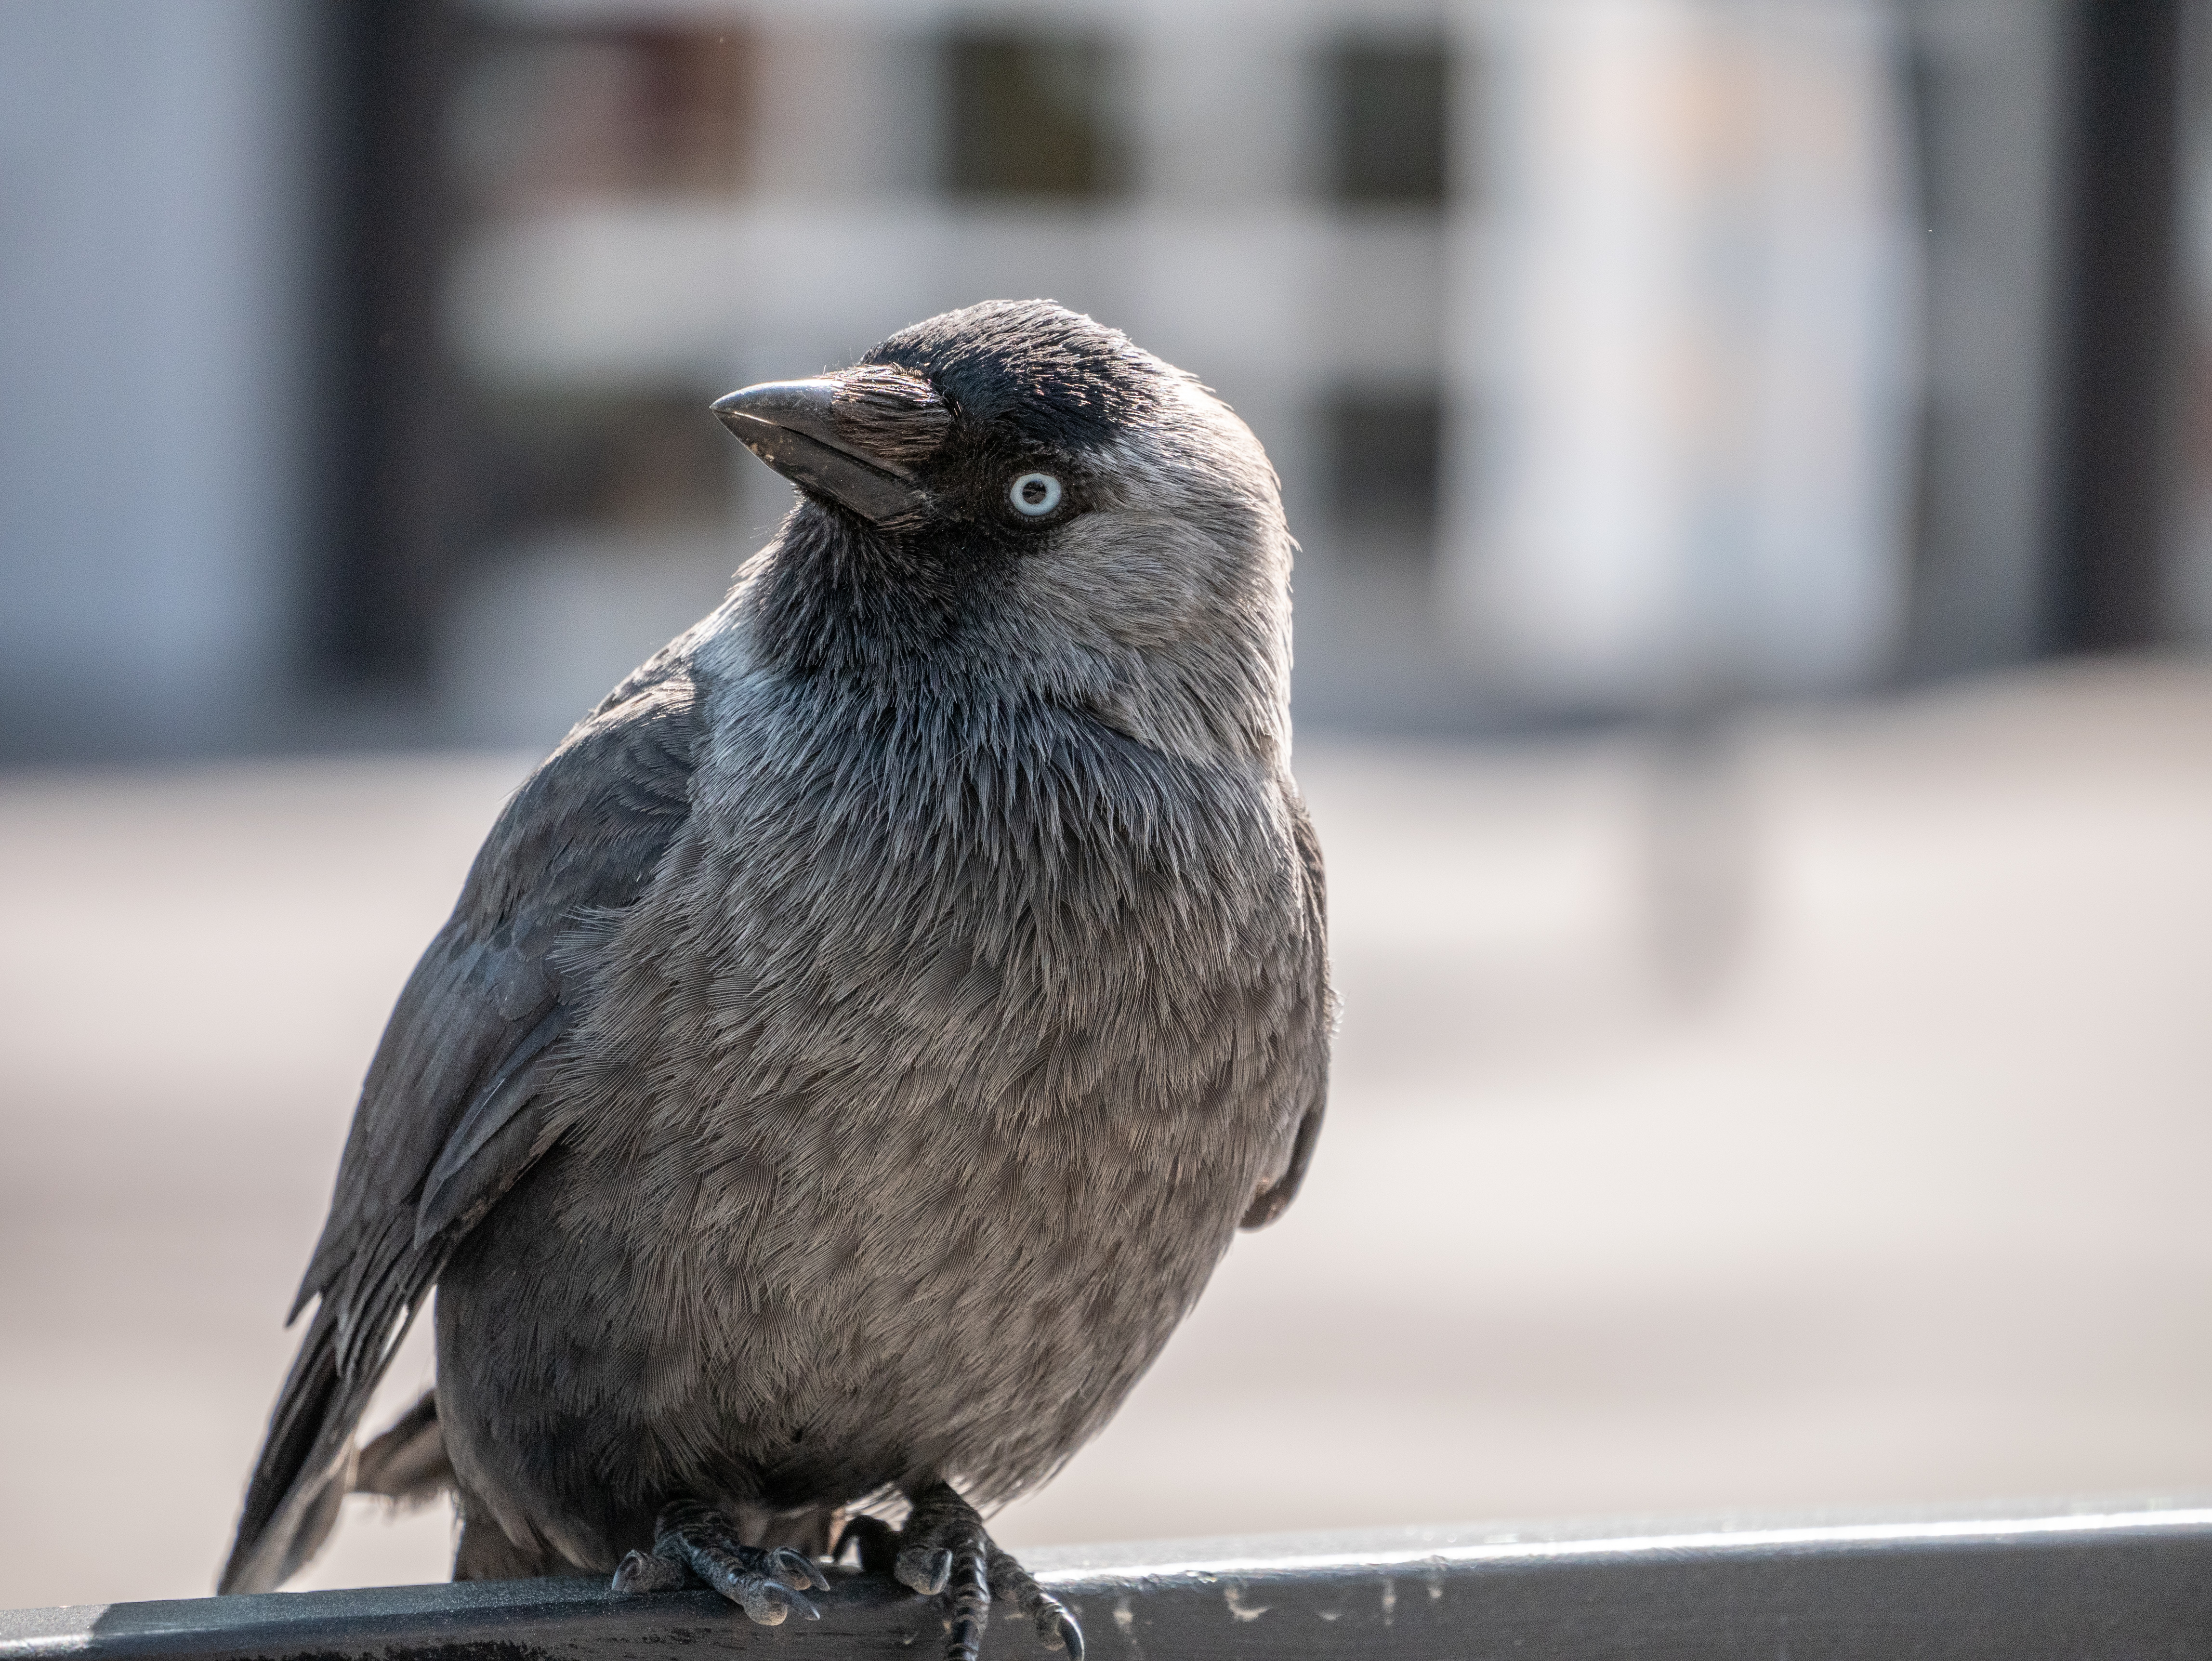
697	1541
943	1552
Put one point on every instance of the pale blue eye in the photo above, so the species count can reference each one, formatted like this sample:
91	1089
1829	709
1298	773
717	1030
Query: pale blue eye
1034	494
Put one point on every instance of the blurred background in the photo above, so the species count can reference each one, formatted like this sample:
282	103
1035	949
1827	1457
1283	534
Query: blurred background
1753	460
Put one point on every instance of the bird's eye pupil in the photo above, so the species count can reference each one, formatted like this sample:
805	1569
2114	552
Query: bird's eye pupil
1034	494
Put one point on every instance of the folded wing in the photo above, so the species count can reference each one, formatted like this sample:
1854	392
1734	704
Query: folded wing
448	1117
1308	1040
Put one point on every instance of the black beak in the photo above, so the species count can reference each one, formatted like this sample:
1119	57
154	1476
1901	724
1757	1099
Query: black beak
791	425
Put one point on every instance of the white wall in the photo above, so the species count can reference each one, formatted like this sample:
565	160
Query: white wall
1687	322
154	180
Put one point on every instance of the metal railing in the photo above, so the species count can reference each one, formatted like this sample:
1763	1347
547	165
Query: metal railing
2125	1581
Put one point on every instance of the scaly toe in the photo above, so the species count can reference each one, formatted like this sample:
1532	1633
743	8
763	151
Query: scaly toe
968	1596
643	1572
766	1602
698	1540
921	1570
947	1556
741	1576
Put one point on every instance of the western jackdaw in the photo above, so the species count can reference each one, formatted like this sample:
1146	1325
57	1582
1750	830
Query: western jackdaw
854	1047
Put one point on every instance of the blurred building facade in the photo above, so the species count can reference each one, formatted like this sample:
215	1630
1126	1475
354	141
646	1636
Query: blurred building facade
1619	356
158	283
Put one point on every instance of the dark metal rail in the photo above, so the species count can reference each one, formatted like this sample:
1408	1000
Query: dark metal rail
2112	1584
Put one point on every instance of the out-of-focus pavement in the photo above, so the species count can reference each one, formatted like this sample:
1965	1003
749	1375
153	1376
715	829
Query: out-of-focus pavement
1911	1203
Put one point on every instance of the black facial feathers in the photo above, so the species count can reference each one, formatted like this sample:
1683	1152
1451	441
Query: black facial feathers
1056	375
891	416
965	405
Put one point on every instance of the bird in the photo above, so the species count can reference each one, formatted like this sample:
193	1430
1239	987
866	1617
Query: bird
854	1047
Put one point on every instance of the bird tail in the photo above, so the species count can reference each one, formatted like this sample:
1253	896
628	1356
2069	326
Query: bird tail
292	1499
308	1458
406	1463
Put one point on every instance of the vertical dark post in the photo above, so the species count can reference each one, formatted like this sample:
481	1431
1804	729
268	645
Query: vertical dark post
2119	344
394	424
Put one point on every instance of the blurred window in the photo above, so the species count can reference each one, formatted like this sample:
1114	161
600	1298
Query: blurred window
570	458
1383	449
1030	113
550	114
1388	105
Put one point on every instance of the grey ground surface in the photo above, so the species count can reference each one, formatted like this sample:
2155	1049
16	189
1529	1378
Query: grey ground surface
1892	1188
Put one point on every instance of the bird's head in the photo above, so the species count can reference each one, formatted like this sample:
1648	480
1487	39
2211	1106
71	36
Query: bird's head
1013	495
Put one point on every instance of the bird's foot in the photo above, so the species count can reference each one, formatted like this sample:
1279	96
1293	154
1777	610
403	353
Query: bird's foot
695	1541
944	1552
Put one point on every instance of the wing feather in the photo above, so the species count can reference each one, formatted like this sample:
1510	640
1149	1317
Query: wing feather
446	1121
1274	1196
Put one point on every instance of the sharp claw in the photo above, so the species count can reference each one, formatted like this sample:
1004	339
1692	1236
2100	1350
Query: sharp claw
1062	1634
629	1572
767	1602
795	1568
803	1603
966	1641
